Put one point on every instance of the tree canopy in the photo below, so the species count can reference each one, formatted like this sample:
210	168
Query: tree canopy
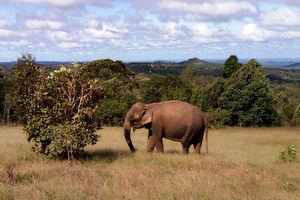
231	65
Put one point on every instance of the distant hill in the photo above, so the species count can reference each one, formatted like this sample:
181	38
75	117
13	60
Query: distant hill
8	64
281	76
292	66
201	67
45	63
278	71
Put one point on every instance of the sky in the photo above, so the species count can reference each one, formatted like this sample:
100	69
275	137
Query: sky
142	30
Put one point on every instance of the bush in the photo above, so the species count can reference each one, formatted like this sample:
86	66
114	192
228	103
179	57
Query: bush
60	112
288	154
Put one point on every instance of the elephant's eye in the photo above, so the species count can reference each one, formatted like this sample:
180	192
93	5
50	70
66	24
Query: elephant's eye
134	122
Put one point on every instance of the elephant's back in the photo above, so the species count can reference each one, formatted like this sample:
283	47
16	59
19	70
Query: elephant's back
176	110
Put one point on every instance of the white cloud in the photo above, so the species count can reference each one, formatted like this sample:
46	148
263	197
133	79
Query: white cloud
281	17
2	23
213	8
202	33
69	45
257	34
105	34
39	24
58	35
171	29
58	3
92	22
12	44
9	33
66	3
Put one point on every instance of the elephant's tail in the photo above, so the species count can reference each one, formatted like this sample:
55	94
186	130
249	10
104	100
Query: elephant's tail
206	137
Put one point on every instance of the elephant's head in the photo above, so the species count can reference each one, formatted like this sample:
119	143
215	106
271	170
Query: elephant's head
137	117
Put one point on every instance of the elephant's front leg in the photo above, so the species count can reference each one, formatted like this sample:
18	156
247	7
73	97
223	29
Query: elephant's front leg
159	145
150	142
154	141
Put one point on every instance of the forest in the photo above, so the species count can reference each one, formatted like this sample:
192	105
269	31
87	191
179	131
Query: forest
55	103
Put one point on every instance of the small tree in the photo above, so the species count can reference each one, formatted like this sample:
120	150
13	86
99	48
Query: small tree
59	111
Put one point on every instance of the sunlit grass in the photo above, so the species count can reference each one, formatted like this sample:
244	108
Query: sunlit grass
242	164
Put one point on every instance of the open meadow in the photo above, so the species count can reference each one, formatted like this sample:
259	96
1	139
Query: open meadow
242	164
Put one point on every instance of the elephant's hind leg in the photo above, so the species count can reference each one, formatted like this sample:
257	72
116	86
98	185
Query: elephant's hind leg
185	150
198	142
197	147
187	140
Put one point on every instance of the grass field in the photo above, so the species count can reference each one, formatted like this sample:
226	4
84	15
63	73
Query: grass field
242	164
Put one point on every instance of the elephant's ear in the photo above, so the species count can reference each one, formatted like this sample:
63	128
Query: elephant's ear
147	117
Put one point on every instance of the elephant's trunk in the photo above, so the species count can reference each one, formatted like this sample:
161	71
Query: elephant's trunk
127	129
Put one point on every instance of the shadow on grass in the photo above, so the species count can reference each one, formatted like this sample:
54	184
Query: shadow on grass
173	152
106	155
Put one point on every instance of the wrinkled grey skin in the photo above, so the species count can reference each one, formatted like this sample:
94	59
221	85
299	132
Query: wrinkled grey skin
174	120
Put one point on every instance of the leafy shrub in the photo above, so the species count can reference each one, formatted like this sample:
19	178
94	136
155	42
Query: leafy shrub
288	154
59	111
289	185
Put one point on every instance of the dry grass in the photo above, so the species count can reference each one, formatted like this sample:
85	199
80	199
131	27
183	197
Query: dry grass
242	164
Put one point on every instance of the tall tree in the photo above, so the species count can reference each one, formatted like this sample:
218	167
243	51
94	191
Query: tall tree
26	80
231	65
247	97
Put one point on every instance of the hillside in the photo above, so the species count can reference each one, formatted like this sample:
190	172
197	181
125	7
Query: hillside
201	67
280	76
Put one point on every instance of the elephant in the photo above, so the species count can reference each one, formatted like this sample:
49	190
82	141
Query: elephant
174	120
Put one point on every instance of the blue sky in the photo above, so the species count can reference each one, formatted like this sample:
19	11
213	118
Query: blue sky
83	30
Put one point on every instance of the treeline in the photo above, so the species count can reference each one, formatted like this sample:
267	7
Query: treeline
61	108
241	96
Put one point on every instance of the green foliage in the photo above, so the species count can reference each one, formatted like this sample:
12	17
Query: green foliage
296	116
288	154
162	88
218	117
247	97
59	111
286	100
231	65
107	69
211	95
27	79
118	90
289	186
188	73
112	111
2	92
